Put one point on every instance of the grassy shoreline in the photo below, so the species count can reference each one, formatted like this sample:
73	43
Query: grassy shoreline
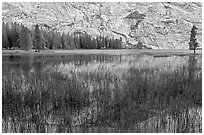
97	51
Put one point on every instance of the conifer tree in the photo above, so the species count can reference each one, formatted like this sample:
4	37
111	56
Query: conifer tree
8	31
103	42
93	42
51	40
15	35
139	45
5	42
88	42
106	42
57	44
193	44
63	40
81	42
45	39
112	43
25	39
68	43
98	42
37	41
68	39
120	44
76	41
72	43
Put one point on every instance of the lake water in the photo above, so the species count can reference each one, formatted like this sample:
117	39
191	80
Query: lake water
102	93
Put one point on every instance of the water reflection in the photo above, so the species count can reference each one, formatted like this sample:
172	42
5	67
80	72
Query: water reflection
102	93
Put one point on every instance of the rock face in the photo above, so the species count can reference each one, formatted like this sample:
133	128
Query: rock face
156	25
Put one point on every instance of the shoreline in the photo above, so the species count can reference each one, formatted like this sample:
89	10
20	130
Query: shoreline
98	51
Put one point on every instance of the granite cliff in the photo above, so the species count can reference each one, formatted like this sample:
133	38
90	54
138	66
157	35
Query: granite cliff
156	25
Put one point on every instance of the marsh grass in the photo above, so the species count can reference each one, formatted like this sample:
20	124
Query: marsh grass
134	100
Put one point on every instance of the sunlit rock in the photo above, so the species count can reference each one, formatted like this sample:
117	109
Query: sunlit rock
158	25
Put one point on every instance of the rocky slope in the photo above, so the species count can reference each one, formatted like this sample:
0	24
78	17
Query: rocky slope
157	25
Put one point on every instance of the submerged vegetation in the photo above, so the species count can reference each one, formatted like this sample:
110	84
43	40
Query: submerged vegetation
102	93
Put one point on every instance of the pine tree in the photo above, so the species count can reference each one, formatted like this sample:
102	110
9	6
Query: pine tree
25	39
103	42
193	44
88	42
15	35
5	42
93	42
63	40
76	41
45	39
8	31
57	40
98	44
37	41
51	39
139	45
68	42
112	43
43	45
108	43
120	43
81	41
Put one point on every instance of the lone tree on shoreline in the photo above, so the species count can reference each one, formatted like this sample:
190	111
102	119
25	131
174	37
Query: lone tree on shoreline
193	44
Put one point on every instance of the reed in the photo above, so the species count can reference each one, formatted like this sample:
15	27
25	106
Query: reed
137	99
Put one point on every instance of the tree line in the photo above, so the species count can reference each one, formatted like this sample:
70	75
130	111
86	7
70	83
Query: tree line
17	36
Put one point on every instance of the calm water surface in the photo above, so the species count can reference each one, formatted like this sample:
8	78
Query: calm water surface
102	93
